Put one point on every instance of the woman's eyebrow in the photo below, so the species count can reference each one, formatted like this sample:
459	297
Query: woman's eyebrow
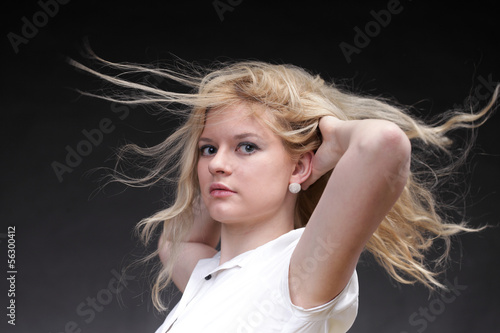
246	135
236	137
205	140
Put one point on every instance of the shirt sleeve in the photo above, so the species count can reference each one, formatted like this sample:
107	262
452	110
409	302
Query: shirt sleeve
339	312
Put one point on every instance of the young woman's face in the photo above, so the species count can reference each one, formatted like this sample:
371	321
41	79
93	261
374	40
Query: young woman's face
243	168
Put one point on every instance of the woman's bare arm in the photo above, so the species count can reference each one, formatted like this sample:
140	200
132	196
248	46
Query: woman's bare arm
202	241
371	165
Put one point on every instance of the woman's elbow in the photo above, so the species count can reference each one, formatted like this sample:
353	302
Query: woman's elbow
395	154
395	142
388	149
385	141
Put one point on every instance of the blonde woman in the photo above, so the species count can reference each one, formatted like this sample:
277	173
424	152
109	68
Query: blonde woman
294	178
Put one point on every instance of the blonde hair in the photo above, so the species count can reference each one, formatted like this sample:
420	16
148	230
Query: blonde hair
295	100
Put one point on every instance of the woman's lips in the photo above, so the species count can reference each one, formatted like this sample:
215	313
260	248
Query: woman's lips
218	190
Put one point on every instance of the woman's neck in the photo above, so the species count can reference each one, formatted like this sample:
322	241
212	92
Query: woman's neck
237	238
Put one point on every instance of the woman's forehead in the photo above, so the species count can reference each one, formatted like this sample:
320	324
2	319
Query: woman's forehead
236	119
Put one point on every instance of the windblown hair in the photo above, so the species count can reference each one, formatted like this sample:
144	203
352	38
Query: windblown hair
295	100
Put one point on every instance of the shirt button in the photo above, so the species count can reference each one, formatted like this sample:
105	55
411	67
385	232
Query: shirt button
208	277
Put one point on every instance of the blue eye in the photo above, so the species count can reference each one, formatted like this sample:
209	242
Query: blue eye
247	147
207	150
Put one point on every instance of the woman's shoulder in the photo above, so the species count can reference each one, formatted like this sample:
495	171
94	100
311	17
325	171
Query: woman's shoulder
283	242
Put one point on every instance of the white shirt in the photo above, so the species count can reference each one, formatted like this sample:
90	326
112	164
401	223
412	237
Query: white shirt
249	293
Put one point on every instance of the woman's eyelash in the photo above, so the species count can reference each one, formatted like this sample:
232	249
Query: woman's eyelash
244	147
248	147
207	150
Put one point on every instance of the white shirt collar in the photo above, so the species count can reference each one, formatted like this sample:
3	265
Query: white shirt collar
210	266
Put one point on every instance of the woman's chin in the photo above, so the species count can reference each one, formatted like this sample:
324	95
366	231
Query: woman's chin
227	217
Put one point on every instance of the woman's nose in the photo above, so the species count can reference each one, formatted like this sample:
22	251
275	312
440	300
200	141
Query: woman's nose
220	163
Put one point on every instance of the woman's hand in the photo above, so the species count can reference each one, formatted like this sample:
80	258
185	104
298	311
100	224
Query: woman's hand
329	152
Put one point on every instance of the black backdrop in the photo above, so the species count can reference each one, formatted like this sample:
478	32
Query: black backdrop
71	242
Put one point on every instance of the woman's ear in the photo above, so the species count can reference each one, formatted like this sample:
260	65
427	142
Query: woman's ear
303	168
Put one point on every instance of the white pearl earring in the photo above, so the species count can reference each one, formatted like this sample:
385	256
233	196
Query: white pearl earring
294	187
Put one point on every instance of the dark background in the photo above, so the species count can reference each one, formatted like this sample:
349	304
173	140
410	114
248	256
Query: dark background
71	238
